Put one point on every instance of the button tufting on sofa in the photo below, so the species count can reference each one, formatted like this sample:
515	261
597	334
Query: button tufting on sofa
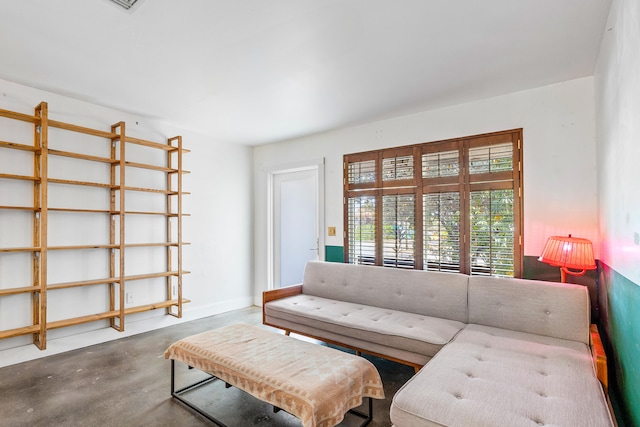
456	323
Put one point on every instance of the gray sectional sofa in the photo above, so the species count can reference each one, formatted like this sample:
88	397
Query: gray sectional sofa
496	352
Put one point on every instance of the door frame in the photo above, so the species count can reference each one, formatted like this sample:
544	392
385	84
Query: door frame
309	165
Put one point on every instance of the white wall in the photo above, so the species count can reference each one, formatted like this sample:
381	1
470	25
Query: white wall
219	228
617	82
559	159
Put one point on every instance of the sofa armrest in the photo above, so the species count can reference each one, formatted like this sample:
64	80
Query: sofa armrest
599	357
279	293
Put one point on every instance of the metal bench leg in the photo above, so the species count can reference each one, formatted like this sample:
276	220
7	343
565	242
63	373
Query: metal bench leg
367	416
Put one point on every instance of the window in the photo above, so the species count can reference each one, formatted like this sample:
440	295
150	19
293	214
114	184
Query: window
452	205
398	230
361	229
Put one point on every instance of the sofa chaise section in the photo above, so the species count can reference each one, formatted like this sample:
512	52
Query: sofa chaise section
524	360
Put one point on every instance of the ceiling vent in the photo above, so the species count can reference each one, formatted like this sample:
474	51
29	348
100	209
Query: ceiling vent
127	4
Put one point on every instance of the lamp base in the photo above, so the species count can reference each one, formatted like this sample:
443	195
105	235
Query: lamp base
564	271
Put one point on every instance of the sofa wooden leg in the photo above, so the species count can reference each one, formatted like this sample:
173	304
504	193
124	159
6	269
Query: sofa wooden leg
287	332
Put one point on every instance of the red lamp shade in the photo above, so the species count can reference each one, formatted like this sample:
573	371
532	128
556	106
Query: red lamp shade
569	252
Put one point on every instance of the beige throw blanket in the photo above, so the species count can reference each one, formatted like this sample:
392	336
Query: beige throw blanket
317	384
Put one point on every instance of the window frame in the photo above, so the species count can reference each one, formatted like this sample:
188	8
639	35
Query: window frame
463	183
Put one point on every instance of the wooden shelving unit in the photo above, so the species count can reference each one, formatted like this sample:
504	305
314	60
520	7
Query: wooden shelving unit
113	245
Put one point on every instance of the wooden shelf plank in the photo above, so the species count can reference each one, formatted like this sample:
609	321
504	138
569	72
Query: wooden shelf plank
89	318
149	144
149	190
16	291
150	167
184	150
27	249
170	214
83	283
19	116
73	247
82	319
86	183
16	146
147	307
153	275
144	245
107	211
21	208
162	244
10	333
83	156
82	129
21	177
149	213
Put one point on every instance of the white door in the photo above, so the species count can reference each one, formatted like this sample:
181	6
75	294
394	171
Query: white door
296	230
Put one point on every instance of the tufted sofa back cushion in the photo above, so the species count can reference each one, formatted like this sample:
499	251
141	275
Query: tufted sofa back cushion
557	310
414	291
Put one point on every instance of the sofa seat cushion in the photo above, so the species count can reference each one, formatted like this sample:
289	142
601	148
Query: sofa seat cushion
494	377
407	331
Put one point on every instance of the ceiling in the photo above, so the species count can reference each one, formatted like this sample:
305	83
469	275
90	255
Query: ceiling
258	71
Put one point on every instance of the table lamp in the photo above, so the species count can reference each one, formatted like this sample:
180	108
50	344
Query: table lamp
570	254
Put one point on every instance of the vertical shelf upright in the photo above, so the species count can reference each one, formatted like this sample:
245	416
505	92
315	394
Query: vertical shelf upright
117	201
40	203
175	192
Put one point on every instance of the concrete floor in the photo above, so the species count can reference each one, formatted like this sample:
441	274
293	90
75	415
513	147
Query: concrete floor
127	383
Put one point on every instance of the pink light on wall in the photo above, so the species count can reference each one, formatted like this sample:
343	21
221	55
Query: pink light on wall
569	253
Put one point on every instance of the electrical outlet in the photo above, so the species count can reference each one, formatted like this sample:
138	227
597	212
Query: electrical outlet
129	297
174	290
331	231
